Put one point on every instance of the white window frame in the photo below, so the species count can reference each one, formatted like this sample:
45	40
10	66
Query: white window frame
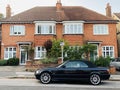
73	47
8	53
45	28
39	53
100	29
17	30
73	28
104	51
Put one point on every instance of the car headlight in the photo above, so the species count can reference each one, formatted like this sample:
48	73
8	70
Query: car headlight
37	72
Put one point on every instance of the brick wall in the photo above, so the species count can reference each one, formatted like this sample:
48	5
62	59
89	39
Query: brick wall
107	40
9	41
39	40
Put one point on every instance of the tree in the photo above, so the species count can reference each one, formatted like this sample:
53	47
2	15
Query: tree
88	48
48	46
56	48
1	16
74	53
30	51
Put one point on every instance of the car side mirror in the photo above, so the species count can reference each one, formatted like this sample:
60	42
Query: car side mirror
63	66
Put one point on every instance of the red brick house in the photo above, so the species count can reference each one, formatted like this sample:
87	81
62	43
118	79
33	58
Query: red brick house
75	24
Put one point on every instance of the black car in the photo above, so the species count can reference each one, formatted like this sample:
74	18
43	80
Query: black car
73	70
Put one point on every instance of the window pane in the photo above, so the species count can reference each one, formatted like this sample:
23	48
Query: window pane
111	48
10	49
6	49
50	29
40	52
108	51
14	49
38	48
10	52
17	30
100	29
6	54
39	29
14	54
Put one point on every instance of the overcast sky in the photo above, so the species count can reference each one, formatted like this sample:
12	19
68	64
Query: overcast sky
18	6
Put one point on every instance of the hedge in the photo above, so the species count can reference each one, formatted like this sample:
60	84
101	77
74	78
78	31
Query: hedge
3	62
11	62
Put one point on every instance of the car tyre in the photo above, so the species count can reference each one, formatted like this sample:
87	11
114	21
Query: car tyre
95	79
45	78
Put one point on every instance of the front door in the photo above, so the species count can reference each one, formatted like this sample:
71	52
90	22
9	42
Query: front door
23	55
94	55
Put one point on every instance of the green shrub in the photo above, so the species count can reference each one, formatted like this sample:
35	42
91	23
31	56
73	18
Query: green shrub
13	61
49	61
3	62
101	61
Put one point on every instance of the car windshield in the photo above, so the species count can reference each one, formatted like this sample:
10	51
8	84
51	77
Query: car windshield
61	64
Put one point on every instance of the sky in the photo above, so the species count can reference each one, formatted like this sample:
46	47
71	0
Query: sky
19	6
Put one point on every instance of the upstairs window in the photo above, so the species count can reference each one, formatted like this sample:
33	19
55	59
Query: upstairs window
73	28
100	29
45	28
17	30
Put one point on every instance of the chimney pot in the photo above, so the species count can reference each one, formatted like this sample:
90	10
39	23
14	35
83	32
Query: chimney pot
108	10
59	5
8	11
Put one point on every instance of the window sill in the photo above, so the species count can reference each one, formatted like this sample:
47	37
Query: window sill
73	34
45	34
100	34
38	58
16	35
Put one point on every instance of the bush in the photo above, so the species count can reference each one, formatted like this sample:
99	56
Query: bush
13	61
49	61
3	62
101	61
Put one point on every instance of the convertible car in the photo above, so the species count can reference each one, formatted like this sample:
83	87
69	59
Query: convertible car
73	70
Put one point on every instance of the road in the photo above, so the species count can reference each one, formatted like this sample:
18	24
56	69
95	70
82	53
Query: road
32	84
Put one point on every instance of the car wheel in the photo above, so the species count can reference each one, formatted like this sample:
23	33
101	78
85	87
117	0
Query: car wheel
95	79
45	78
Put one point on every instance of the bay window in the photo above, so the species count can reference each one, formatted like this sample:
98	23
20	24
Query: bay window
45	28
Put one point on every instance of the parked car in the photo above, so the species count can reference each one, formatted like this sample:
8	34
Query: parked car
116	63
73	70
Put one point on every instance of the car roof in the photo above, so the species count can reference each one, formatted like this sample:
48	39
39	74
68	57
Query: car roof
89	63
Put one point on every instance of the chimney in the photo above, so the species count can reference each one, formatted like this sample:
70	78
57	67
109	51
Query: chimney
108	10
8	11
59	5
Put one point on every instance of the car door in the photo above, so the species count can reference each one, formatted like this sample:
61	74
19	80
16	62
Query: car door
84	70
71	70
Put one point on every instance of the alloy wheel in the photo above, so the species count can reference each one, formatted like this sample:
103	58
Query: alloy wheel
45	78
95	79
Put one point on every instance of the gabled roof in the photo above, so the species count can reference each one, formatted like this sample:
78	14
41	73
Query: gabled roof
68	13
117	14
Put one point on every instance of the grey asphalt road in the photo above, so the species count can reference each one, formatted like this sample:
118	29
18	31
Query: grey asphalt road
33	84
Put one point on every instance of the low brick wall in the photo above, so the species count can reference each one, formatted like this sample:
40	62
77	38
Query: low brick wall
31	66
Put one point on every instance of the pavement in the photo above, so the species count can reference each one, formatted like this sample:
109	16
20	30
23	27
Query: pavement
19	72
